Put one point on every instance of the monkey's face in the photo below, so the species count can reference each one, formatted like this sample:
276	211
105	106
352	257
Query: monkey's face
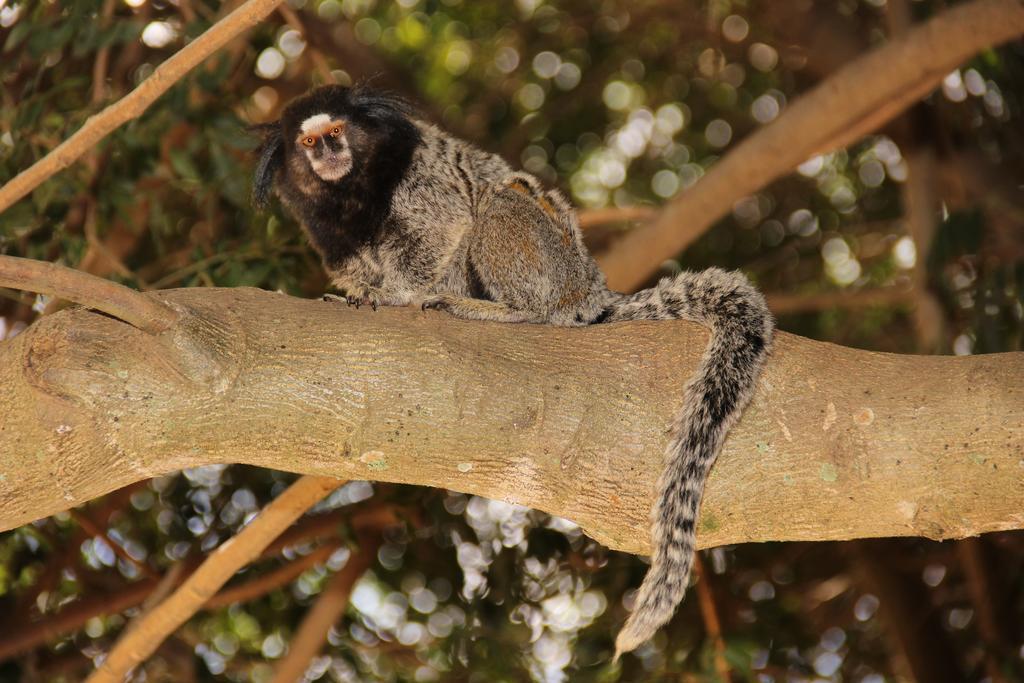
330	139
322	139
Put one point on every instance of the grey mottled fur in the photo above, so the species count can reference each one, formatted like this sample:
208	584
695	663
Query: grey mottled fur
466	234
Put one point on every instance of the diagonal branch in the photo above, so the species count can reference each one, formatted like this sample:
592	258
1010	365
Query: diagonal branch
853	102
96	531
137	101
329	607
136	645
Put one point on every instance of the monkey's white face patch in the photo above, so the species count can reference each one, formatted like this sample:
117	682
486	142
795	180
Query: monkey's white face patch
326	147
315	123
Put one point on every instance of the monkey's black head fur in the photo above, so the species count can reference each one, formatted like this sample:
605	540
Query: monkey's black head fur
380	132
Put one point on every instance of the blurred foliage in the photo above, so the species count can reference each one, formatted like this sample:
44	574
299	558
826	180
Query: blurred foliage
620	104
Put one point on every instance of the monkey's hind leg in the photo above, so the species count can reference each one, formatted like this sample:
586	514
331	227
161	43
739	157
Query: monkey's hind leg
477	309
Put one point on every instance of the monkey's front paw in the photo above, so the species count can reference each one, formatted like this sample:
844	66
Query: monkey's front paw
371	300
438	303
359	297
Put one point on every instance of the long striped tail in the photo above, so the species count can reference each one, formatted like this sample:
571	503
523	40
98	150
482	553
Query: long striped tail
741	334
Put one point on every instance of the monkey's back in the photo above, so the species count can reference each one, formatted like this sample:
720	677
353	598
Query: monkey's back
436	204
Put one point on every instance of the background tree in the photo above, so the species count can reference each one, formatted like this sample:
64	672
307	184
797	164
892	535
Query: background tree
909	239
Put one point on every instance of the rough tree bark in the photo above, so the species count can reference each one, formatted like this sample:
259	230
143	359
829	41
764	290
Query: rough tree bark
837	444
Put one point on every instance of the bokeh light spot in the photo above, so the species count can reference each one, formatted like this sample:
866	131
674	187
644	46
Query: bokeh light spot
763	57
291	43
735	28
159	34
546	64
617	95
871	173
764	109
270	64
665	183
568	76
904	252
530	96
506	59
953	87
718	133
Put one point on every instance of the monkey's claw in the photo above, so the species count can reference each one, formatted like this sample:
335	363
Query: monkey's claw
355	300
437	303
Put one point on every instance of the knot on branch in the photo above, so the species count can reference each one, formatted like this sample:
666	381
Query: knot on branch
89	358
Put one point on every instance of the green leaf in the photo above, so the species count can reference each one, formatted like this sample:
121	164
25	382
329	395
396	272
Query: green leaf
17	34
56	38
182	164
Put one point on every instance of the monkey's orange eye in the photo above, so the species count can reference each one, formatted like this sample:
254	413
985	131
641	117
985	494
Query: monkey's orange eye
309	142
336	132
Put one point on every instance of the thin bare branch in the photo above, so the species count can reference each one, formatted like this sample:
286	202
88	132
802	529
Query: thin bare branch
315	55
142	311
709	613
139	643
591	217
21	635
99	67
782	303
919	648
137	101
994	630
326	611
263	584
920	201
96	530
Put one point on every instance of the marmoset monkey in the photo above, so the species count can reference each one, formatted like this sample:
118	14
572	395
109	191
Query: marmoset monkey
402	212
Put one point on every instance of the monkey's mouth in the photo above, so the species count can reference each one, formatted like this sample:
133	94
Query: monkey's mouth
332	167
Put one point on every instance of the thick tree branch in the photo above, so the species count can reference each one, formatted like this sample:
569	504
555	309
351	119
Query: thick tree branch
838	443
853	102
145	636
137	101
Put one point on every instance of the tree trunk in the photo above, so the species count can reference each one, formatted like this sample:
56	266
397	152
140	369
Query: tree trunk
837	444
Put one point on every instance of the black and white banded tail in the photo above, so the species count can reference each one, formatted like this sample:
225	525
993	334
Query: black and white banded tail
741	333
